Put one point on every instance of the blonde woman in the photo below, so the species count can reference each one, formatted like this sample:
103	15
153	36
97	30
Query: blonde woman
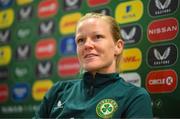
101	93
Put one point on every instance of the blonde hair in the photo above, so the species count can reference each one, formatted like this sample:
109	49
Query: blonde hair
114	29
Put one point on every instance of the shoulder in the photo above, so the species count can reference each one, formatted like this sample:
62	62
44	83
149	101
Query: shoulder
130	89
60	87
64	83
135	99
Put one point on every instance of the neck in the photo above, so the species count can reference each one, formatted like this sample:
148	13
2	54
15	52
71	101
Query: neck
102	72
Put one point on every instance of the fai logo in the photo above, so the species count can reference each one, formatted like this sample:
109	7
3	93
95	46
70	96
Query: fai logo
4	73
20	91
46	27
5	36
4	92
45	48
131	34
5	55
21	71
24	32
68	66
6	18
162	7
25	13
47	8
68	46
105	11
71	4
163	30
157	103
129	11
162	55
106	108
23	52
161	81
68	23
44	69
94	3
131	59
40	88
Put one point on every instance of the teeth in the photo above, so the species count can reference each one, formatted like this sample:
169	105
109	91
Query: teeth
90	55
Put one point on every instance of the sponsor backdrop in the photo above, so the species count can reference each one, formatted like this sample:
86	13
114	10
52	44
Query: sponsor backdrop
37	49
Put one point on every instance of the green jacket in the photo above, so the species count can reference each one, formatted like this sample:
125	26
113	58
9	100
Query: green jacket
102	96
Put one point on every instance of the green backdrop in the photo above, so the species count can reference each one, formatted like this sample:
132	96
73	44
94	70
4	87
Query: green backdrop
37	49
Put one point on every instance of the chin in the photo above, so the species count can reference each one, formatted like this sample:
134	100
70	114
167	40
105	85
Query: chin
91	68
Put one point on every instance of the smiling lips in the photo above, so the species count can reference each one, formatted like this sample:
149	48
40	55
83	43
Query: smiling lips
90	55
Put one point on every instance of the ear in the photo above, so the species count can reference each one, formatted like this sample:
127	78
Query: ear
119	47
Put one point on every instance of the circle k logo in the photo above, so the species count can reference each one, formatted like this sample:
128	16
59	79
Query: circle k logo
161	81
45	48
47	8
68	66
93	3
3	92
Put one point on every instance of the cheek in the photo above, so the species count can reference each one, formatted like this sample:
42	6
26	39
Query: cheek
79	52
109	48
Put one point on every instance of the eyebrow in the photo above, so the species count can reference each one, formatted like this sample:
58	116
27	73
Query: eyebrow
94	32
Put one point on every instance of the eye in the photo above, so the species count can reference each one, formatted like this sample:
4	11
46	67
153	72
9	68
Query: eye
99	36
80	41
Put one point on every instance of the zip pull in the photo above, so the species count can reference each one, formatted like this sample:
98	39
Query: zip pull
91	90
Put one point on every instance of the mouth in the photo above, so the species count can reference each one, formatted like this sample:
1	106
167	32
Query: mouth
87	56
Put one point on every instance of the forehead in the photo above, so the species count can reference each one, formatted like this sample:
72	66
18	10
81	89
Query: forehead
93	23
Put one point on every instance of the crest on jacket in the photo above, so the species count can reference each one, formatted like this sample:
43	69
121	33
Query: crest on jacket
106	108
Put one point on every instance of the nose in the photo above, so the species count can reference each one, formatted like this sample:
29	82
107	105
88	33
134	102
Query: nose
88	44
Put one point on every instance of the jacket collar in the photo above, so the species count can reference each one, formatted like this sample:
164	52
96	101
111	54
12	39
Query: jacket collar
99	79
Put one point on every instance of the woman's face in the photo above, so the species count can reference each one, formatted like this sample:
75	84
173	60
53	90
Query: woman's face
96	48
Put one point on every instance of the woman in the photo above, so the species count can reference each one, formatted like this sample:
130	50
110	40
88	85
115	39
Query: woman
102	93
